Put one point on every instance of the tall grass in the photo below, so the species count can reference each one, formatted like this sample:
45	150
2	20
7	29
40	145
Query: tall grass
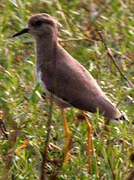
24	112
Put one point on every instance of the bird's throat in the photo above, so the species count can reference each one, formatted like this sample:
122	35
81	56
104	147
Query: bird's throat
45	51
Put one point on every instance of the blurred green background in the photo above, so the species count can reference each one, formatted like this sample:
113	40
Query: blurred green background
24	112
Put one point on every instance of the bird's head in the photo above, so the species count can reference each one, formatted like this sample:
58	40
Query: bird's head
40	25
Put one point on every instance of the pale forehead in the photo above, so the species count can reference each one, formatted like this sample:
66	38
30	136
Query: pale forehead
41	17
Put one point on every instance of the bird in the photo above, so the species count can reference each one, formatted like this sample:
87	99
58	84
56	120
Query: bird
63	77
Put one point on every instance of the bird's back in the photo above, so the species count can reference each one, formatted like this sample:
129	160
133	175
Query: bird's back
76	85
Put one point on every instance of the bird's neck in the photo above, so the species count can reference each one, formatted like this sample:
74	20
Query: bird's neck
45	50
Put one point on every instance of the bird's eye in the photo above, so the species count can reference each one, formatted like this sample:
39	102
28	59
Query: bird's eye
38	23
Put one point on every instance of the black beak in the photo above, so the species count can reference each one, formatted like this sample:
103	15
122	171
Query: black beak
21	32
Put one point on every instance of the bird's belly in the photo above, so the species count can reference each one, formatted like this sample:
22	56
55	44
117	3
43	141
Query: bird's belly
60	102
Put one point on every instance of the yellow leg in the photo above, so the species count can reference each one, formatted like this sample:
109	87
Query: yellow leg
89	140
25	142
67	136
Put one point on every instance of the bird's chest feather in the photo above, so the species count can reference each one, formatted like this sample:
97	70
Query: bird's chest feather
42	83
60	102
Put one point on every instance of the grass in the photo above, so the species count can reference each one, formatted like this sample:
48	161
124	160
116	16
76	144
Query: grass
24	112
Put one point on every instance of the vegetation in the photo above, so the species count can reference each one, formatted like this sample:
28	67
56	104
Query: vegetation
23	111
